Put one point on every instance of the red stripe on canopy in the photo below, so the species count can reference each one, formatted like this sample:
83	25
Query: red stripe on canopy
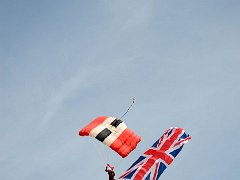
88	128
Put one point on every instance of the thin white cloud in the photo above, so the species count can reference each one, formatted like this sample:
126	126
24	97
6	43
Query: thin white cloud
131	13
81	80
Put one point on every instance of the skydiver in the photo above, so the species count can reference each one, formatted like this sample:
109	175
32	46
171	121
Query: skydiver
109	170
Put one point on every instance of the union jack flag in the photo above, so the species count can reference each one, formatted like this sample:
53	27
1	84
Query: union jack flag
155	160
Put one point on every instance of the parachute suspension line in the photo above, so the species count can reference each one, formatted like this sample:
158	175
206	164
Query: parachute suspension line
100	154
133	101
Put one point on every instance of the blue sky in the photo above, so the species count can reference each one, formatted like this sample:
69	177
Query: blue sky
63	63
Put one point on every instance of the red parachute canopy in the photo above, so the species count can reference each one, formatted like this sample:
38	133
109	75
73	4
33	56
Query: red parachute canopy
112	132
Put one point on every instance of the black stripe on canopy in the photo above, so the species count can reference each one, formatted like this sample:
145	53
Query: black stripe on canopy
116	122
103	134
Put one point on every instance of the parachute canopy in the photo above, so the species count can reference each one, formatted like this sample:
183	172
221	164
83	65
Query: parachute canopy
112	132
156	159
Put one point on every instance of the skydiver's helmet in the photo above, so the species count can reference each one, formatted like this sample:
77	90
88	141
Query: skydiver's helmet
109	167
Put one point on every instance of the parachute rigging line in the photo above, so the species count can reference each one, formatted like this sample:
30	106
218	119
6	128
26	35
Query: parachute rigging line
133	101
